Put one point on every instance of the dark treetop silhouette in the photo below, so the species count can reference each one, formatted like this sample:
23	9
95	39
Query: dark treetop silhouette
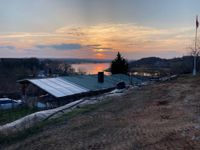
119	65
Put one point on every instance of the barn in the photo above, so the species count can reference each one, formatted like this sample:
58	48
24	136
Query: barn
54	92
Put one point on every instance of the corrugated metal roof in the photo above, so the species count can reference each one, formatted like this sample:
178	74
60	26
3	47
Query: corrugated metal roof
70	85
58	87
91	81
124	78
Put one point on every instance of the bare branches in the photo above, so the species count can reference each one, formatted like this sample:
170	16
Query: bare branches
193	51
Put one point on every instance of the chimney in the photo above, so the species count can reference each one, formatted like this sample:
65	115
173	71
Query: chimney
100	77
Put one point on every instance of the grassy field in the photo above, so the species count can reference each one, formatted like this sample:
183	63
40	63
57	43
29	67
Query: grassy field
159	116
10	115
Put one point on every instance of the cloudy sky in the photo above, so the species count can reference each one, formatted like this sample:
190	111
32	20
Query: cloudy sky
97	28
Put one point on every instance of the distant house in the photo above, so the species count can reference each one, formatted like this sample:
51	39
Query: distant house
57	91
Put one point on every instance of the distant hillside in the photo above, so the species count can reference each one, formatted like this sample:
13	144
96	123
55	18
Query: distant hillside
181	65
150	62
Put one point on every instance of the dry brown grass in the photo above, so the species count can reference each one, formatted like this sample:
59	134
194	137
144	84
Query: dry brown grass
160	116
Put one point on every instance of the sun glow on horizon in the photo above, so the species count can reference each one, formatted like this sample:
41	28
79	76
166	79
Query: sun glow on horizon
100	41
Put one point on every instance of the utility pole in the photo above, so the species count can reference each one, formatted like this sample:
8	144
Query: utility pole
195	48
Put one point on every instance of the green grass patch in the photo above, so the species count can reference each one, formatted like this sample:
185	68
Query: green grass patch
10	115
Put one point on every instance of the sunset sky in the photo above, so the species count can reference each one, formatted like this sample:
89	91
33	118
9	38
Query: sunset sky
97	28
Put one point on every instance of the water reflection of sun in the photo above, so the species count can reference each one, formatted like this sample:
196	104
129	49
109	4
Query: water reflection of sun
92	68
99	68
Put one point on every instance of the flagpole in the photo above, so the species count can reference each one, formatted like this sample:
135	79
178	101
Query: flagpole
195	49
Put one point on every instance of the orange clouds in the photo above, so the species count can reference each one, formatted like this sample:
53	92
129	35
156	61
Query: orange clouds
103	41
131	38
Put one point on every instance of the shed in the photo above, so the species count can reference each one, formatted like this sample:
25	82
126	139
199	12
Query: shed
61	90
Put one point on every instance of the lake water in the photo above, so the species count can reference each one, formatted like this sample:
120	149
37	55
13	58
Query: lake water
91	68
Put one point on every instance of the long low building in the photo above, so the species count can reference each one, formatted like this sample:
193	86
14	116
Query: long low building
60	90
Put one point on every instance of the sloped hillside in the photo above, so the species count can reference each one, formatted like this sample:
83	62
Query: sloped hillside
159	116
182	65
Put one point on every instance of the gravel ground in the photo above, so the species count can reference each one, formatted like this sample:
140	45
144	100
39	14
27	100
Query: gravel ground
160	116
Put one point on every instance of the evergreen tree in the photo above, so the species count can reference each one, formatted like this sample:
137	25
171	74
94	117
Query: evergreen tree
119	65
